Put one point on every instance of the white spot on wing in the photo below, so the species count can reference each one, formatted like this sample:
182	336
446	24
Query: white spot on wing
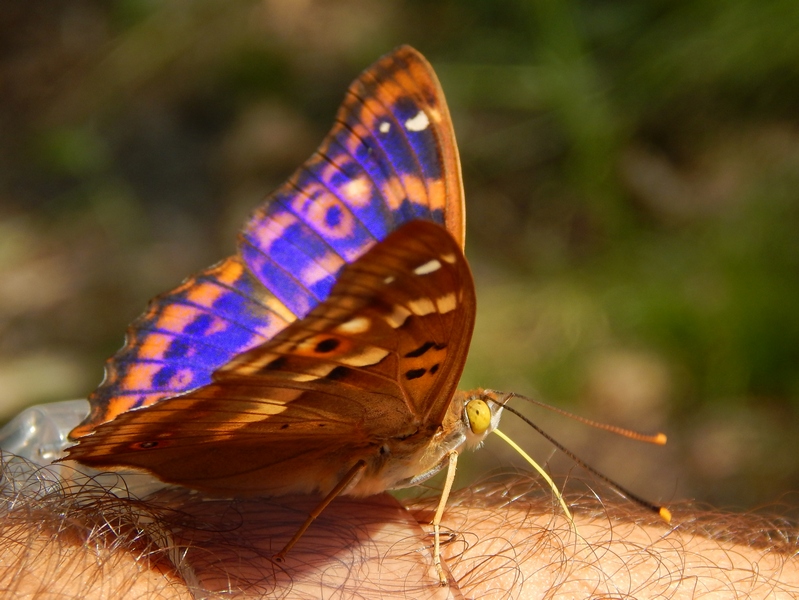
446	303
357	191
398	317
418	123
356	325
449	258
431	266
317	372
422	306
370	356
303	377
266	408
385	127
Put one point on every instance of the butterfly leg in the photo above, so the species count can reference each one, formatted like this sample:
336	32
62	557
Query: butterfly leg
453	462
341	486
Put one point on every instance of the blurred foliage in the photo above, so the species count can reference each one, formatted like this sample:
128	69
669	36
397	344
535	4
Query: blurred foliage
631	178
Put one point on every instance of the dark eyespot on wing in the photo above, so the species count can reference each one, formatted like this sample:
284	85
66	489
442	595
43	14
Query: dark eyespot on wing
327	345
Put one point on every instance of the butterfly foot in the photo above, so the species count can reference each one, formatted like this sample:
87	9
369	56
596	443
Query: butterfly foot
442	576
280	557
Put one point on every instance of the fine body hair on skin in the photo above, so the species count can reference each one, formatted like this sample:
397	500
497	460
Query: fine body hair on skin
503	539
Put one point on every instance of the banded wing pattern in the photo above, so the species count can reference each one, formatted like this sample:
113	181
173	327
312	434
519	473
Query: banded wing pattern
390	158
368	375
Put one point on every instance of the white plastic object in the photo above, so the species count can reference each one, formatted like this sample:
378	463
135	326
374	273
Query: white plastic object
39	433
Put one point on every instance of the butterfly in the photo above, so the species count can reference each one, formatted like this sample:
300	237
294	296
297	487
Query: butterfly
324	356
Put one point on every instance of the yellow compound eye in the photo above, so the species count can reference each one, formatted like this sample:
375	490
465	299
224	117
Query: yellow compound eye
479	416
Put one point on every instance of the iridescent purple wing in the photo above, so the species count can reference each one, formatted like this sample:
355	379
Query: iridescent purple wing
389	159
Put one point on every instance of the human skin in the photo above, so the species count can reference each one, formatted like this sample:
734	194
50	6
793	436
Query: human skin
504	540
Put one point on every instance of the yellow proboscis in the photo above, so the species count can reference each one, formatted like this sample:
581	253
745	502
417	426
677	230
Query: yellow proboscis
541	471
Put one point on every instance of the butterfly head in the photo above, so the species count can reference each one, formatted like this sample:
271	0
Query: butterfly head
482	410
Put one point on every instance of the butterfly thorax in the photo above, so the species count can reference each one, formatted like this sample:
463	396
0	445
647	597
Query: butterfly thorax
409	461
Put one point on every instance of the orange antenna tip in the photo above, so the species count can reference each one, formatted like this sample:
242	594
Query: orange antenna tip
658	438
665	514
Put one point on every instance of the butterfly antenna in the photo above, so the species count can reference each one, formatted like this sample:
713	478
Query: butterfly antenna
662	511
657	438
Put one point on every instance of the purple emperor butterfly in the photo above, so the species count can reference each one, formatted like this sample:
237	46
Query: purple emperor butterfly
324	356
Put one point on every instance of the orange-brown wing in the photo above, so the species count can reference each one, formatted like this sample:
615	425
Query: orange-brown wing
379	360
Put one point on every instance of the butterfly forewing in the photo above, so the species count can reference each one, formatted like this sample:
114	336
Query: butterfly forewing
376	362
390	158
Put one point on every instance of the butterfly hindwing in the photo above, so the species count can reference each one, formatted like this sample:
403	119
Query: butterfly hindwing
376	362
390	158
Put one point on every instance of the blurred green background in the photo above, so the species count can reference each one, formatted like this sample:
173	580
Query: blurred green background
632	183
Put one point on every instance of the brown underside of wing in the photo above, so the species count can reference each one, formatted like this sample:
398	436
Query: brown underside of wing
378	360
